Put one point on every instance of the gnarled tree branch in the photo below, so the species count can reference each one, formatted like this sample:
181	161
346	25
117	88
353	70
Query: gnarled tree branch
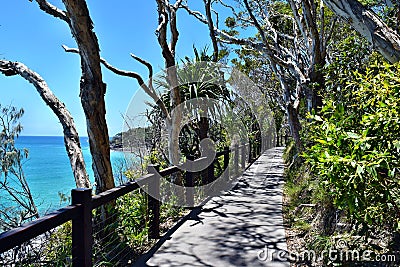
369	25
71	137
210	23
52	10
149	90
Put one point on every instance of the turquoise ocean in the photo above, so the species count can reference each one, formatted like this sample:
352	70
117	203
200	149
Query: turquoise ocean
48	170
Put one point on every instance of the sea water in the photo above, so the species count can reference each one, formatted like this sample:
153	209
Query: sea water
48	171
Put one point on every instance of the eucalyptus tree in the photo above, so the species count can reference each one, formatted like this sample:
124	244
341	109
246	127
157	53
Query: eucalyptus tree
167	36
92	87
256	67
92	93
293	36
365	21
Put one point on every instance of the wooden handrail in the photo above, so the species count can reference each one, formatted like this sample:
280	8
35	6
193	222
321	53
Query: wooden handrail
119	191
168	171
25	232
223	152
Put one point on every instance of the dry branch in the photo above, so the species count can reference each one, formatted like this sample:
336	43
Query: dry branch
148	89
71	137
369	25
52	10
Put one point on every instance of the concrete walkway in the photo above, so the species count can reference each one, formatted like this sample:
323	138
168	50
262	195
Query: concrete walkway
243	227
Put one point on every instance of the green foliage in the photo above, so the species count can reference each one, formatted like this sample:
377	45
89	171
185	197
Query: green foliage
10	130
16	201
357	147
59	245
351	55
169	210
230	22
132	214
199	79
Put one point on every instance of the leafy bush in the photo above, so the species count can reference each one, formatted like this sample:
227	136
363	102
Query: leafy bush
132	215
357	146
59	246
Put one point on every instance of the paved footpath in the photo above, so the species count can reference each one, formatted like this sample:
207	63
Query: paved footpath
243	227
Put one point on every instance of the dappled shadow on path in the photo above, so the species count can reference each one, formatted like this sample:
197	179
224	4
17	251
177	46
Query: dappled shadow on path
232	229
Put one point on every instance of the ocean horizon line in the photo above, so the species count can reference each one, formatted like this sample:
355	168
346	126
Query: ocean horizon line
44	135
27	135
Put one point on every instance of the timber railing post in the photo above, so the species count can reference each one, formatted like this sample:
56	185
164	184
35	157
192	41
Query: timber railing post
226	164
277	138
189	177
243	157
250	150
210	172
263	143
82	231
226	157
236	161
254	150
153	202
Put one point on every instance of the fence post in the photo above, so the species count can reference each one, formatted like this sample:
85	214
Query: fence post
226	157
236	161
153	202
210	173
226	164
254	149
189	178
277	138
263	143
243	158
259	148
250	151
82	231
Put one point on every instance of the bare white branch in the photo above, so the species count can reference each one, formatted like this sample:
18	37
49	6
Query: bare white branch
71	137
52	10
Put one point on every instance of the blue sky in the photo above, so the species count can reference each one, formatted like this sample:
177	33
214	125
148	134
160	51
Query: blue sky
34	38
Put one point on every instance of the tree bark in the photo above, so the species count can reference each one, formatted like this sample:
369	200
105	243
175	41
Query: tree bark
294	125
167	16
204	126
369	25
210	23
92	92
71	137
292	111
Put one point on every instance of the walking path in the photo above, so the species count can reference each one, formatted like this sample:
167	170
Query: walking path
243	227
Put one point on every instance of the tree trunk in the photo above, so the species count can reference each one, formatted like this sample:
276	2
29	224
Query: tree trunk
176	115
71	137
92	92
203	128
294	125
318	83
369	25
167	14
210	23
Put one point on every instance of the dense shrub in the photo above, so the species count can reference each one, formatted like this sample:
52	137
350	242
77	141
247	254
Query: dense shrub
357	146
